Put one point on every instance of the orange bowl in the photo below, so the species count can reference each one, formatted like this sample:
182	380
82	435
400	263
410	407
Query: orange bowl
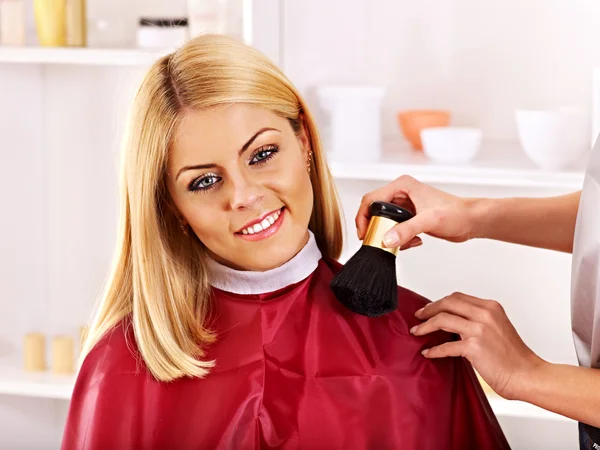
413	121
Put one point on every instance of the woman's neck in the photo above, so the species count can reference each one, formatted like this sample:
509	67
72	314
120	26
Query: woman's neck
249	282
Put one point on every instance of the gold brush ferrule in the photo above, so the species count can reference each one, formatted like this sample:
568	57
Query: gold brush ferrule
378	226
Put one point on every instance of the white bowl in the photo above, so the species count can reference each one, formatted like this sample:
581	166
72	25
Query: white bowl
451	145
553	139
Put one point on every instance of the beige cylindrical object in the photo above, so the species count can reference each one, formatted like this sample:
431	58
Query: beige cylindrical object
51	22
76	23
34	352
63	355
12	22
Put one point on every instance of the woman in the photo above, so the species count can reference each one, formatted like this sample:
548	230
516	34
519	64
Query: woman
218	328
566	223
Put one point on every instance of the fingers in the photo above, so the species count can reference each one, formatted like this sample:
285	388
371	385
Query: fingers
466	306
403	232
397	189
449	323
414	242
454	348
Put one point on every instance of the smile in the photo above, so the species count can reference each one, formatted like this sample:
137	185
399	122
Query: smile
263	227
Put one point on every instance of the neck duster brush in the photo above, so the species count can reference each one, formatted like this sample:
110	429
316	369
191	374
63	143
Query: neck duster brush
367	283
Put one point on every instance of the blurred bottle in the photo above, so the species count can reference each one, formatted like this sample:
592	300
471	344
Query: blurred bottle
207	16
12	22
63	355
34	352
50	21
76	21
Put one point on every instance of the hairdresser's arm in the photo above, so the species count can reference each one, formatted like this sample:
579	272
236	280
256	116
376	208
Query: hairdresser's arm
494	348
538	222
570	391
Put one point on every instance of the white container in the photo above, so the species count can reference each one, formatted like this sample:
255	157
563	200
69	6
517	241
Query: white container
12	22
207	16
451	145
162	33
553	139
354	131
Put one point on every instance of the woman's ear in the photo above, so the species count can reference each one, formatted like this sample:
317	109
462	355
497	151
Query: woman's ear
304	137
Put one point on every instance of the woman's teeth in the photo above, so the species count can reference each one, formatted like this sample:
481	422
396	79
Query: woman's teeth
266	223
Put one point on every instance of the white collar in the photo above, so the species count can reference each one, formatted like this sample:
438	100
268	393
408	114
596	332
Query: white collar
250	282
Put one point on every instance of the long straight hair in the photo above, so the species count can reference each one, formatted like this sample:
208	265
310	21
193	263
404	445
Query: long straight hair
158	278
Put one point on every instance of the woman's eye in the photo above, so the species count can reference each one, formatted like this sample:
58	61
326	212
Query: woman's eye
264	154
204	183
261	155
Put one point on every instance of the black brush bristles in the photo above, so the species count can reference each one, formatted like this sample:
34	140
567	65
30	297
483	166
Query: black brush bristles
367	283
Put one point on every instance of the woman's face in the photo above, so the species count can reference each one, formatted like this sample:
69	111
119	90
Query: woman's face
238	176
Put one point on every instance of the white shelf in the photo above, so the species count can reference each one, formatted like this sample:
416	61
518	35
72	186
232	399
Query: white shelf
80	56
498	164
45	385
15	381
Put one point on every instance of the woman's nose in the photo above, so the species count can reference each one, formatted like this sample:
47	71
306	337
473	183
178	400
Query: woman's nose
245	193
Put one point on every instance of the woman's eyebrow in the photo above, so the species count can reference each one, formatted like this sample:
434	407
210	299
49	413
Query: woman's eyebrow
242	150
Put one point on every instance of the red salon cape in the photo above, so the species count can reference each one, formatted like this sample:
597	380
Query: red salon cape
295	370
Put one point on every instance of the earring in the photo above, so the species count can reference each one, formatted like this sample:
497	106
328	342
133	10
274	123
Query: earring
184	227
309	161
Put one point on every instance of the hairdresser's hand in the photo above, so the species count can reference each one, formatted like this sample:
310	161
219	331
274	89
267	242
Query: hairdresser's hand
488	340
438	213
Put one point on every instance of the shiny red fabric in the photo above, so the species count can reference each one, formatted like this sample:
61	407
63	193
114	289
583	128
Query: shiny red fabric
295	369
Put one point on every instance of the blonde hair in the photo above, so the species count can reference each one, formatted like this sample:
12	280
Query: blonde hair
158	277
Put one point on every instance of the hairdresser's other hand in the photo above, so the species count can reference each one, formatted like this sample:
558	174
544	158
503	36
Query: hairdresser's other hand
438	213
488	340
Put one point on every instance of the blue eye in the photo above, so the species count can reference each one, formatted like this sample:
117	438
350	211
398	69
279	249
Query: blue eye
204	183
263	154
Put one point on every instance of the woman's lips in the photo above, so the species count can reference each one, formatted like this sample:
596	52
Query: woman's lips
262	229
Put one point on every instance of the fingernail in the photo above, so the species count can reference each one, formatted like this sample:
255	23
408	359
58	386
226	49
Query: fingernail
391	239
419	311
424	352
413	329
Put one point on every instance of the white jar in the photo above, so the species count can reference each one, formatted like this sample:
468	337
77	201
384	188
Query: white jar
354	131
159	33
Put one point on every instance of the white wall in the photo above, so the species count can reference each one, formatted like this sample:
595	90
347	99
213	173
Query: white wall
480	59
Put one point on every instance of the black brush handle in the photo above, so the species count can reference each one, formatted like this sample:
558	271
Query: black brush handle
390	211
